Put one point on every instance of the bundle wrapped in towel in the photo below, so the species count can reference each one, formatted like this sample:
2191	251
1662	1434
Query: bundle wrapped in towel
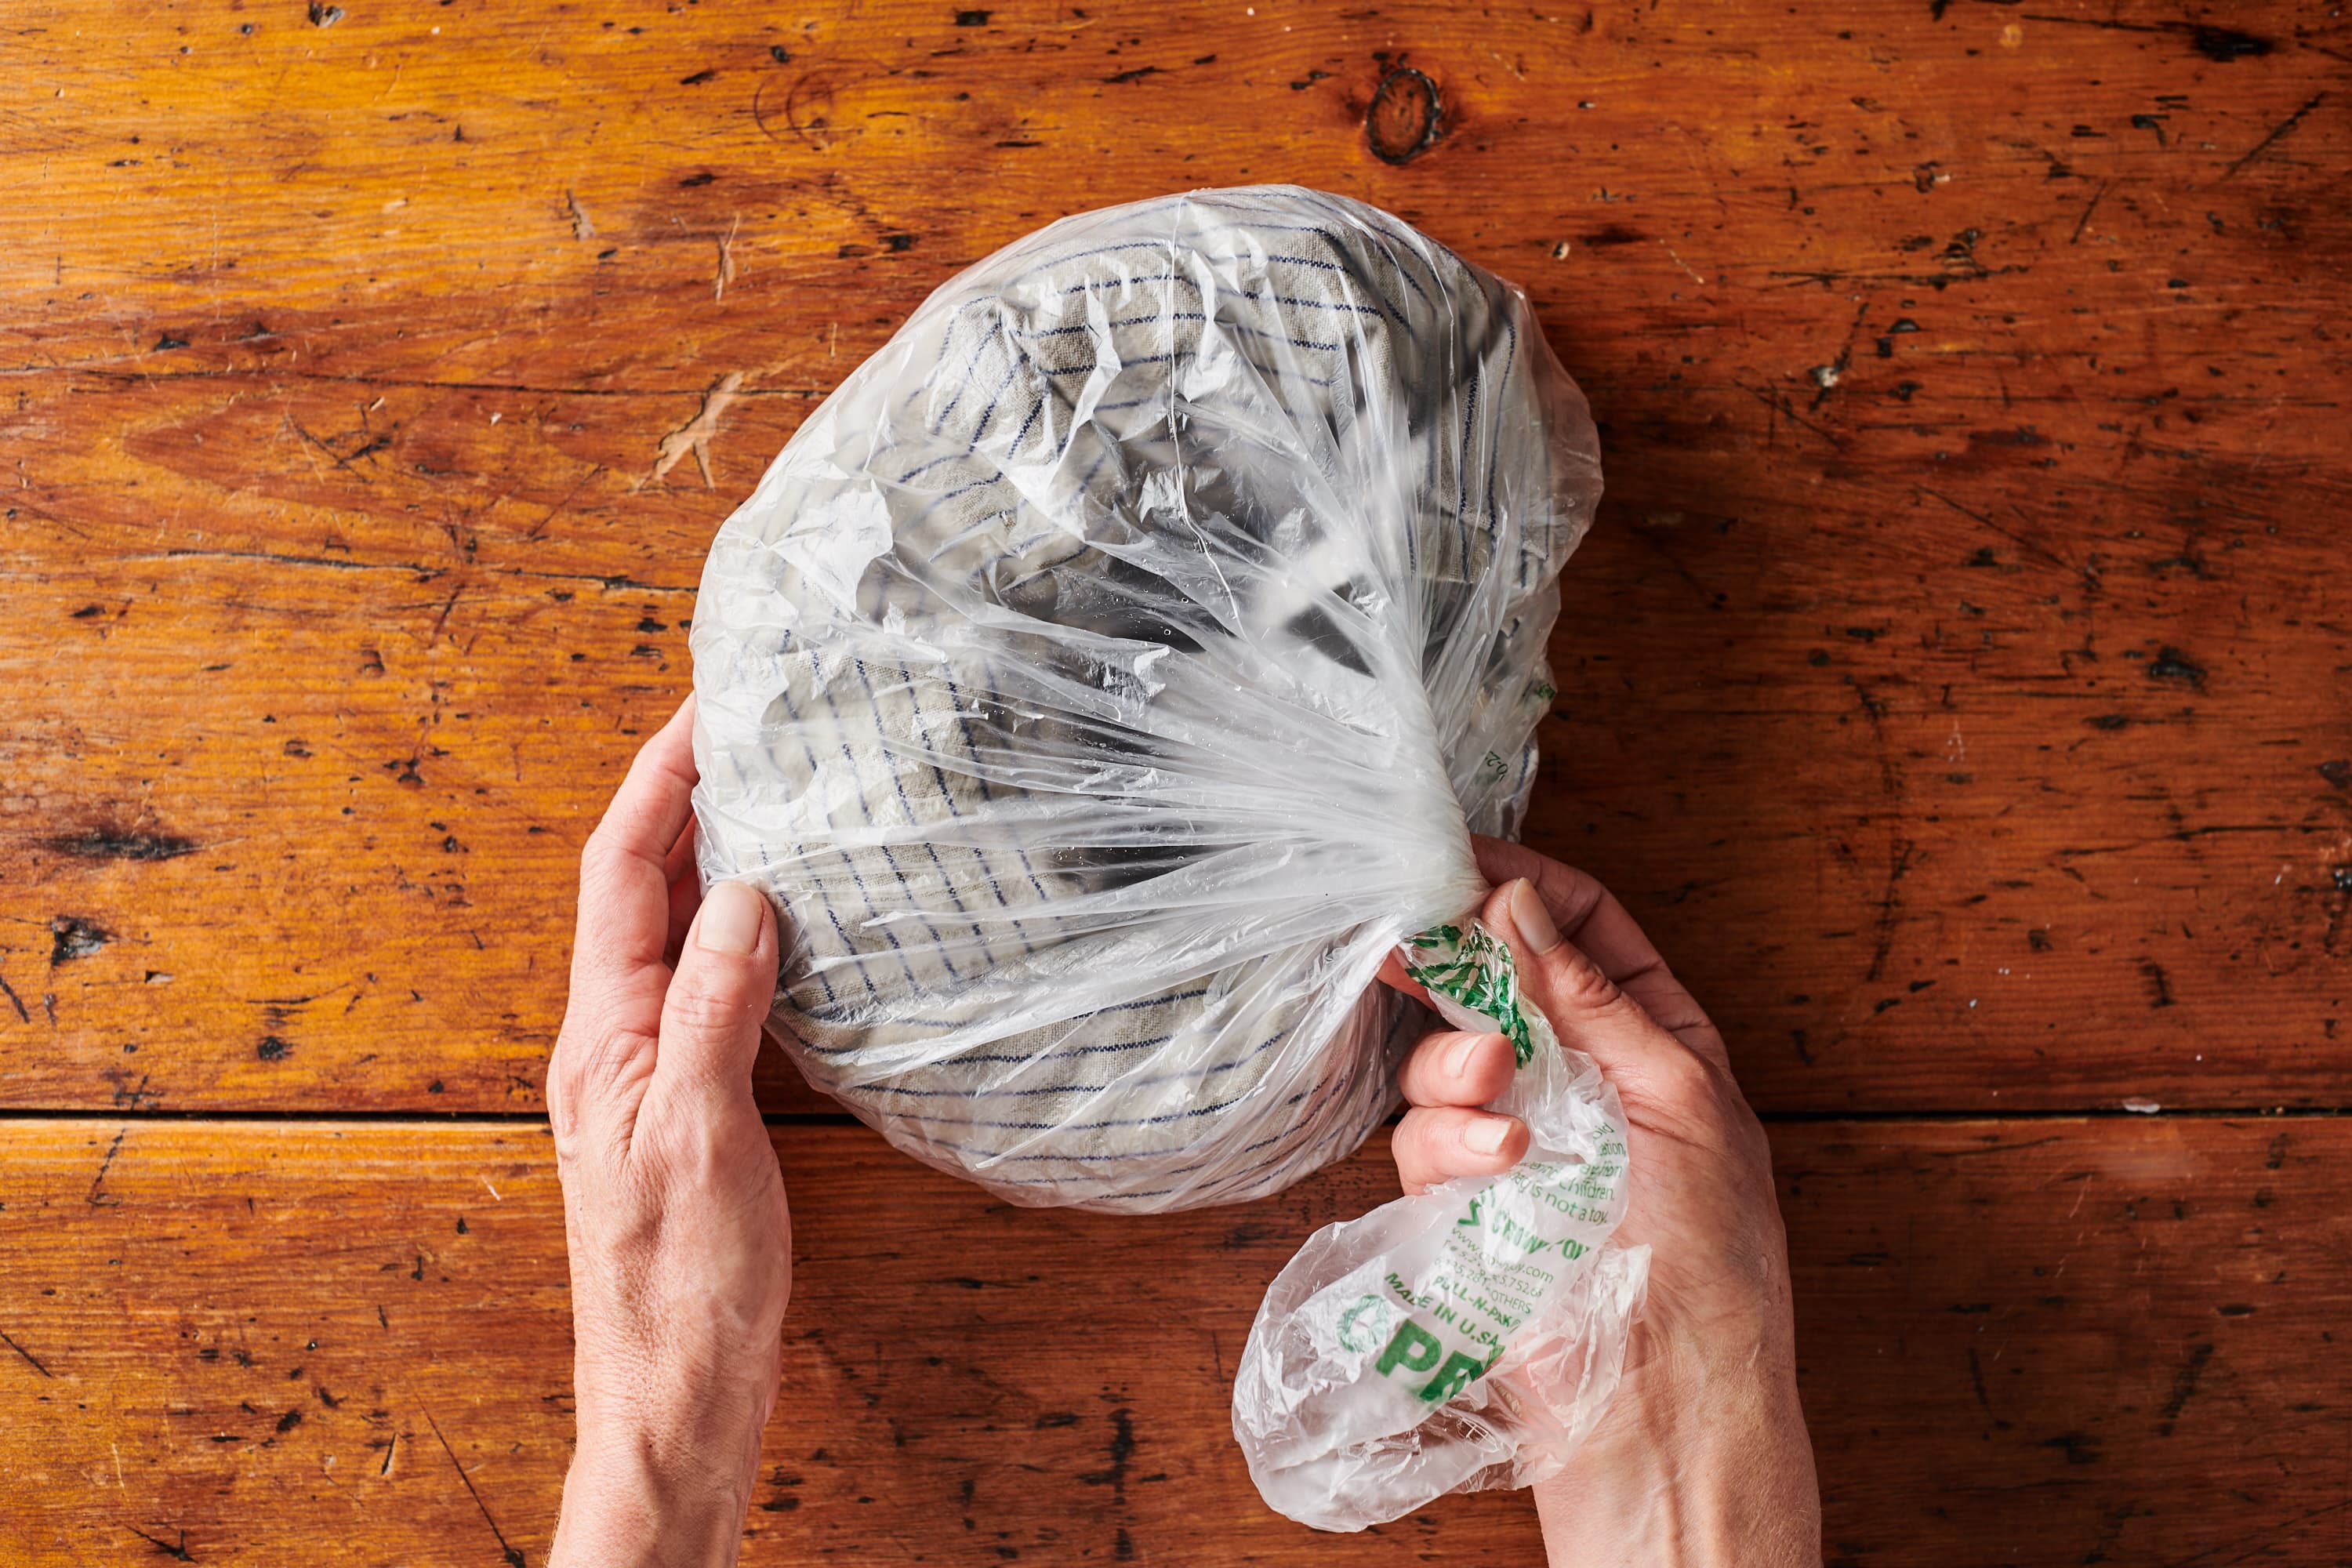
1106	676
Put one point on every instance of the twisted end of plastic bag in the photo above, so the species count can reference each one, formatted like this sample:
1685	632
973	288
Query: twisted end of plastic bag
1467	1337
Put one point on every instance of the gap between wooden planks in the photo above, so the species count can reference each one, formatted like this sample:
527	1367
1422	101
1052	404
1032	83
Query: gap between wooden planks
2026	1343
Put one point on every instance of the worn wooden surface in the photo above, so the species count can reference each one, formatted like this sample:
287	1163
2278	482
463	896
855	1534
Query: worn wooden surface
1957	685
2106	1341
1957	679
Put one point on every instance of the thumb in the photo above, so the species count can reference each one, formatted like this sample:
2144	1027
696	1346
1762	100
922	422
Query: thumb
1587	1010
724	983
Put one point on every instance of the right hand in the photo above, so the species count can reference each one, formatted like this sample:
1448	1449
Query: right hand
1703	1455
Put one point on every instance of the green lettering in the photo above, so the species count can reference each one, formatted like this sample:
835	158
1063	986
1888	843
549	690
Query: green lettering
1458	1371
1411	1347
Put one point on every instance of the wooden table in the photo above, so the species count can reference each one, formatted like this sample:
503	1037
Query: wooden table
1956	685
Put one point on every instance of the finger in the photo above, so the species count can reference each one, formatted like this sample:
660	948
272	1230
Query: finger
624	879
1393	974
604	1054
1437	1143
726	980
684	892
680	859
1590	916
1587	1009
1451	1067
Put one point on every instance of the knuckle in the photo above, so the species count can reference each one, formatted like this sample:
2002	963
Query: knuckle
587	1056
1408	1149
704	1010
564	1068
1578	984
596	850
1424	1060
1684	1082
1489	1070
600	863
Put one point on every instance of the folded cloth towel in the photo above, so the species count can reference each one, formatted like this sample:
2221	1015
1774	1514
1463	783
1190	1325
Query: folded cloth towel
1103	678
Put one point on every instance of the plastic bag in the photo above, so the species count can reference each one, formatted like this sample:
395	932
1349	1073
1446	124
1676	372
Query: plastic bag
1467	1337
1107	676
1104	680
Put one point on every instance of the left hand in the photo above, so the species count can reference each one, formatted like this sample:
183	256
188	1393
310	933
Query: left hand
673	1206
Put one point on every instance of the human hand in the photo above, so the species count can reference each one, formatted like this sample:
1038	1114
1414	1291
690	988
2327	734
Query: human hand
673	1207
1702	1457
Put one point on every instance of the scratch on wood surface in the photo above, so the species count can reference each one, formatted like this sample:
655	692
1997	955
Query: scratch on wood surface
98	1196
1890	904
177	1553
581	227
1685	266
511	1555
1779	406
2283	129
725	267
2017	539
1976	1373
2185	1386
30	1358
540	528
288	426
441	621
695	434
2088	208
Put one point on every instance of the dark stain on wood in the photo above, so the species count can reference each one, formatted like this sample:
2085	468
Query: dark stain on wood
2227	44
111	843
2171	664
72	937
1405	116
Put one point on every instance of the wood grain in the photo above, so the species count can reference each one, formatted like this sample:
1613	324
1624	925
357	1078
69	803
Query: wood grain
2041	1343
1958	685
1957	682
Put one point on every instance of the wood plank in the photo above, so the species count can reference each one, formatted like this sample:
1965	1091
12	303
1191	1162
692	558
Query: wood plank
1956	683
2029	1341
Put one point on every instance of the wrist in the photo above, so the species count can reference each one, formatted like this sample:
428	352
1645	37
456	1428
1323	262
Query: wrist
632	1500
1701	1461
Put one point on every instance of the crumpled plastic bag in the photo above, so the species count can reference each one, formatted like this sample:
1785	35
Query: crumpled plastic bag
1109	674
1465	1336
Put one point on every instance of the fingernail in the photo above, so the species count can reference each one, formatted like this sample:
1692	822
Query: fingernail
731	916
1486	1135
1457	1061
1534	920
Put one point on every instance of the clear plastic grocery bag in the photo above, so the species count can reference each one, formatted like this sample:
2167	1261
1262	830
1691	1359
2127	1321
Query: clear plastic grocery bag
1461	1338
1108	676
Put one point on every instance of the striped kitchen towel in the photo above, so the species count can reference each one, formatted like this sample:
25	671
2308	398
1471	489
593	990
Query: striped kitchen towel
1103	679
